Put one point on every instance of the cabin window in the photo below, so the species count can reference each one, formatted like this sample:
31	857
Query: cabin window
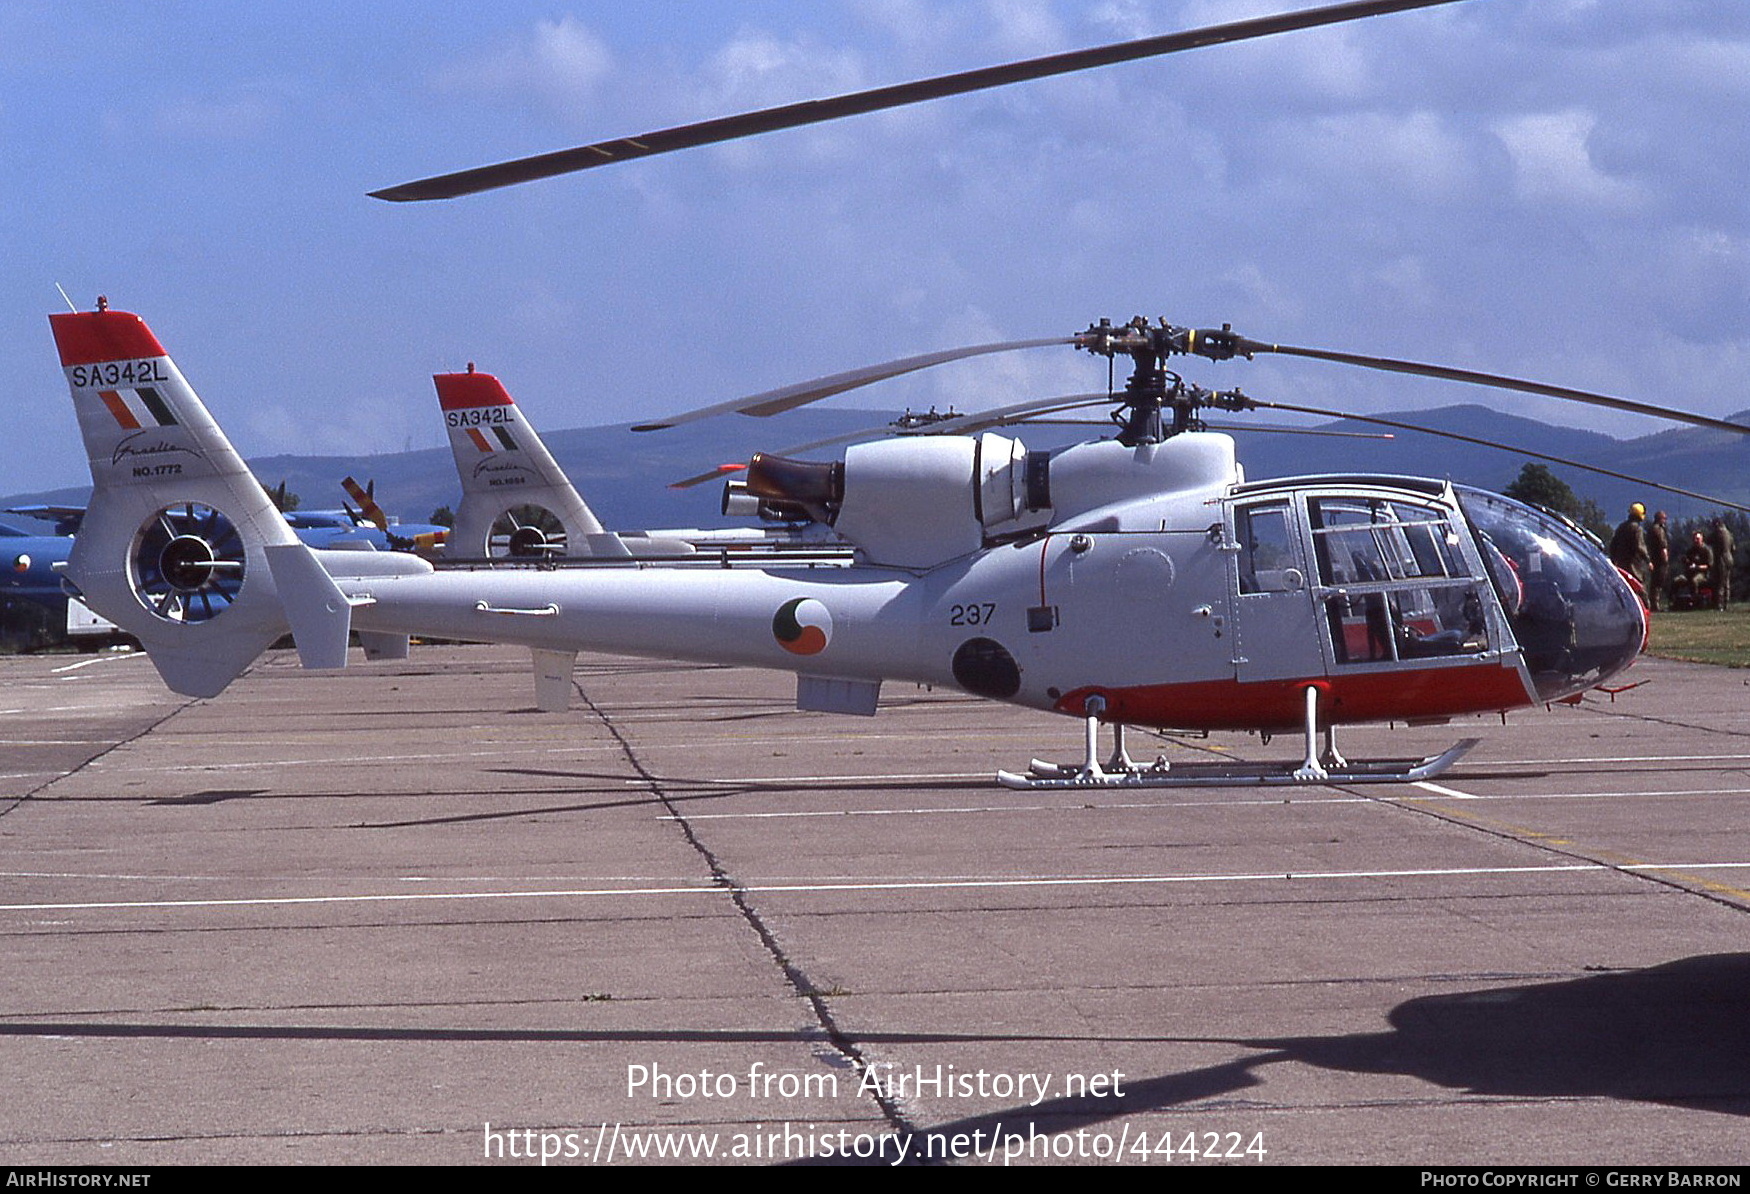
1396	587
1268	560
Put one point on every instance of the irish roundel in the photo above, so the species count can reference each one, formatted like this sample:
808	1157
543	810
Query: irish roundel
802	626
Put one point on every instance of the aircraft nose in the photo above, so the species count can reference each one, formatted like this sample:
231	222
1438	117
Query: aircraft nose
1614	633
1576	619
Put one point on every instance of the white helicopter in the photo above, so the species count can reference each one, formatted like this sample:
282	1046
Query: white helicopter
517	503
1132	580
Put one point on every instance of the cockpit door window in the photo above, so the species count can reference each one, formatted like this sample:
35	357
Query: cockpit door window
1396	587
1269	561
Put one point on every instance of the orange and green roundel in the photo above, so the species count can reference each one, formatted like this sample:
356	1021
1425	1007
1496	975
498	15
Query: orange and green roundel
802	626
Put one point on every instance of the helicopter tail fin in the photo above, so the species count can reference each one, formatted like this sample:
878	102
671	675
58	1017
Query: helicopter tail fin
516	501
181	546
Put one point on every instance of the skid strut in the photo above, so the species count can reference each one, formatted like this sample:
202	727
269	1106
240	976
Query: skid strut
1119	768
1323	763
1315	767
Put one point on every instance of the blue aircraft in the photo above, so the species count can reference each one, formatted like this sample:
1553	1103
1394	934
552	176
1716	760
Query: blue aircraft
36	611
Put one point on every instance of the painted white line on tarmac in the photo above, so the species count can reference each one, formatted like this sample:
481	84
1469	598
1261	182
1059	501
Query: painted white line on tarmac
1309	795
831	888
987	809
508	750
73	667
1440	791
1612	759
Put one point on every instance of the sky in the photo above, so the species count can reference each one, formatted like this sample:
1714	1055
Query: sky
1552	189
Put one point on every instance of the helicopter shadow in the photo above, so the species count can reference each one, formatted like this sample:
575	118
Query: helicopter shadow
1673	1034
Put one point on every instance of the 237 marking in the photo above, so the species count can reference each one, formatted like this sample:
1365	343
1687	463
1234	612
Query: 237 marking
976	613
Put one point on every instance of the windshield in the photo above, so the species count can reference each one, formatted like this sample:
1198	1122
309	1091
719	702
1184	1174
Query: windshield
1575	617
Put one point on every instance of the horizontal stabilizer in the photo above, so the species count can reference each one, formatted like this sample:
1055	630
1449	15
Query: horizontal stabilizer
606	545
379	644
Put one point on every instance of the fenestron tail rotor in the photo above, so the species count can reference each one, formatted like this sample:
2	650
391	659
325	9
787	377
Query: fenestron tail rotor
748	124
187	563
526	533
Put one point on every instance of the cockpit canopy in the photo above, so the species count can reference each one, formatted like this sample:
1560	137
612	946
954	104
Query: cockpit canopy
1576	619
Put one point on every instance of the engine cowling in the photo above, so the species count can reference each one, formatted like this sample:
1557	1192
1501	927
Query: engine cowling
913	502
923	500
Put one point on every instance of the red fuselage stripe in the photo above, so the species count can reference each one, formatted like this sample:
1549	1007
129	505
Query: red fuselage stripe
1281	704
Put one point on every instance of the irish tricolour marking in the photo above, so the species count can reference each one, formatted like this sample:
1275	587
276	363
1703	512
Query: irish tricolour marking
802	626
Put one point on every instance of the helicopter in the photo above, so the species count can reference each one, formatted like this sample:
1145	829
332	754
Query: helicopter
37	610
1136	579
1130	580
517	503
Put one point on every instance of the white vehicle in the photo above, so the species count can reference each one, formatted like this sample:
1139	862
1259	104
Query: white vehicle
517	503
1128	580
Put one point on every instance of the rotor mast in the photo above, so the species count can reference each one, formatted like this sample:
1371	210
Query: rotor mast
1151	387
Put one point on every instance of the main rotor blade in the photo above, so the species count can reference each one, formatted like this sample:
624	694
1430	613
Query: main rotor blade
1446	373
774	402
949	425
1020	412
1285	429
1489	443
728	128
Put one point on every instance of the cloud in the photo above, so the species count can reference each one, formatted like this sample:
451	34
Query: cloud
560	63
1418	154
1552	160
757	69
1022	28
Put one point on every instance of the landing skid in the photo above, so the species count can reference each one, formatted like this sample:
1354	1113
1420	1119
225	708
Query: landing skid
1323	764
1052	776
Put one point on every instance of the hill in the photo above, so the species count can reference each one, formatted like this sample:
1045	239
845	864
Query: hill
625	475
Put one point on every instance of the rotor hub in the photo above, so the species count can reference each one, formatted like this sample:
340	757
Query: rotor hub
527	541
187	563
1151	388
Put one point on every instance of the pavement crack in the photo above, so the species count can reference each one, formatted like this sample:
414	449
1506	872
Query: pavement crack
110	749
793	972
1675	723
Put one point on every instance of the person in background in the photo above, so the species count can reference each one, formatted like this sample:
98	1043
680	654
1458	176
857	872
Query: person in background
1628	548
1698	561
1720	540
1659	552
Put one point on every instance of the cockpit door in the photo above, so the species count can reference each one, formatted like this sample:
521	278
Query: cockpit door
1397	585
1277	630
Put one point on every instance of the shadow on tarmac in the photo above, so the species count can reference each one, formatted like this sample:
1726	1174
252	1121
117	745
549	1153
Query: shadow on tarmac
1673	1034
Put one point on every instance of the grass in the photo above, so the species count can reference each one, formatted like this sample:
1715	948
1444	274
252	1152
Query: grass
1703	636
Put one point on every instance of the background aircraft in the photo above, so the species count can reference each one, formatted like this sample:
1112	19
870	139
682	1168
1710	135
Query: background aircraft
518	503
35	610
